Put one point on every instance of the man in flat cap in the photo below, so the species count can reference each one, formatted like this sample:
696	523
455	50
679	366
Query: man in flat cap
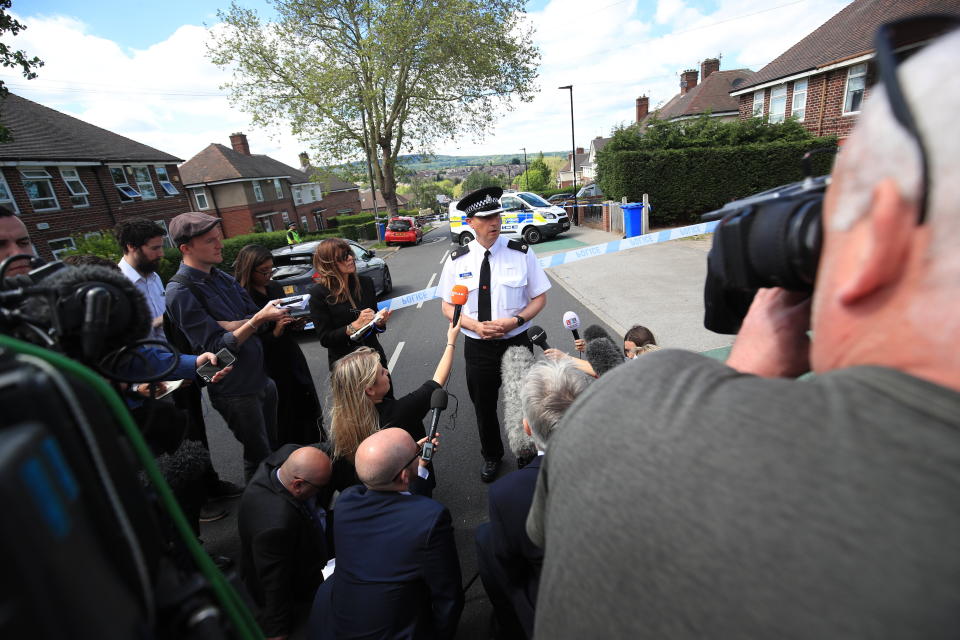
214	312
506	289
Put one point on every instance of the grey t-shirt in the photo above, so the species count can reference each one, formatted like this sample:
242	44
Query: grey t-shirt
680	499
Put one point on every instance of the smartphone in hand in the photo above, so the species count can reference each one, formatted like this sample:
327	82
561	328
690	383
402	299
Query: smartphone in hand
207	370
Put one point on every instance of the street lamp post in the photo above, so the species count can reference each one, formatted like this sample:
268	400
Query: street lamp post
526	169
573	157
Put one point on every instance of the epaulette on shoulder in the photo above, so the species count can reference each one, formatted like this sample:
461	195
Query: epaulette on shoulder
516	245
459	252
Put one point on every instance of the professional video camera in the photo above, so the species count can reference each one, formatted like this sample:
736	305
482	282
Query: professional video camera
92	551
770	239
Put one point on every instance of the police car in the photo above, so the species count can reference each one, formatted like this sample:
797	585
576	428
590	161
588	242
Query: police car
525	215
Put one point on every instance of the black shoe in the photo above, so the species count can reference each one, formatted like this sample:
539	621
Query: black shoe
523	461
212	513
488	473
224	490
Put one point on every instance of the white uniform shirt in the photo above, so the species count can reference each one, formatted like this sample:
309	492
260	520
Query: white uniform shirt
515	279
152	289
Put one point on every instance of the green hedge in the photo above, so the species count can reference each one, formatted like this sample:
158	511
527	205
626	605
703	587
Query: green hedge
360	218
684	183
546	193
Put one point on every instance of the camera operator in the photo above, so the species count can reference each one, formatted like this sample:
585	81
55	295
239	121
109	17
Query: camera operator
14	240
720	501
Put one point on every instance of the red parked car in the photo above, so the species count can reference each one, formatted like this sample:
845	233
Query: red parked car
403	230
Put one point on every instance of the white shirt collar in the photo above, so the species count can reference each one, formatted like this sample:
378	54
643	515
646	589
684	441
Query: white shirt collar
127	269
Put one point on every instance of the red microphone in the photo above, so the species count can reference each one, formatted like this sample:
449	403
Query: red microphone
459	298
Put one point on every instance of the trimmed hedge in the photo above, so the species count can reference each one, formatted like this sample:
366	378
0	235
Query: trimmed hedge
685	183
360	218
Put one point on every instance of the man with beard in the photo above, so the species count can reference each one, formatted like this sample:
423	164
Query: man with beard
142	244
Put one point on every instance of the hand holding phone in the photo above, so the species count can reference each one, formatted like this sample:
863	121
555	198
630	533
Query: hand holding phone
208	370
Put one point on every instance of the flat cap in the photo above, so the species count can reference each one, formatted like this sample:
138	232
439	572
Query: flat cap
189	225
481	203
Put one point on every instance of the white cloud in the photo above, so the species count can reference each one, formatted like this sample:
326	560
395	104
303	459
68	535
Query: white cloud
167	95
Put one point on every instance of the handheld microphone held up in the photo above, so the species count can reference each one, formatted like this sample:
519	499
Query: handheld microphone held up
458	298
538	337
438	402
358	335
513	369
572	321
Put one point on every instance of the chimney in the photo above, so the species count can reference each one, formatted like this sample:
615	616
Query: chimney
688	80
579	151
708	66
239	143
643	107
304	161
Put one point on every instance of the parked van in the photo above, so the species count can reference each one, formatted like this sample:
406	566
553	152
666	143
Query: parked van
525	216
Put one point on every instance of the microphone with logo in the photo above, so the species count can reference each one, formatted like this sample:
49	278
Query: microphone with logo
438	402
572	321
458	298
538	337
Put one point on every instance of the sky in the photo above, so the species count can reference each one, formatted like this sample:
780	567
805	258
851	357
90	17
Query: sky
143	73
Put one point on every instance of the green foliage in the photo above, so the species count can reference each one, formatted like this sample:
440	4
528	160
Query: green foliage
480	179
359	218
13	58
684	183
425	193
546	193
703	131
102	244
537	177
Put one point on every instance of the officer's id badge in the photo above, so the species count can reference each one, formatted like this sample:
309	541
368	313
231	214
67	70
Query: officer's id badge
465	275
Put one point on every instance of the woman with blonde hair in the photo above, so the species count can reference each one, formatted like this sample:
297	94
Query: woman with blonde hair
342	302
360	405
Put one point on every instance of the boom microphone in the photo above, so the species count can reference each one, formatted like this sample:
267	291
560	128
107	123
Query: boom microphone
458	297
572	321
603	355
595	331
438	402
538	337
513	369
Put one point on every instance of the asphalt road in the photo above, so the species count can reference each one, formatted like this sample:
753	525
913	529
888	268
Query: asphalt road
414	343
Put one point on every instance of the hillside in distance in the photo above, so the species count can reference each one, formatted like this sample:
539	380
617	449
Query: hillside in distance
416	162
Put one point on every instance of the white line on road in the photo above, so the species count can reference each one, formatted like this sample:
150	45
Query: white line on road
429	284
396	354
445	254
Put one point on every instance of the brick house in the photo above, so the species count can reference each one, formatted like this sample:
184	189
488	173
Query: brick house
366	202
249	191
706	91
589	168
565	174
823	79
66	177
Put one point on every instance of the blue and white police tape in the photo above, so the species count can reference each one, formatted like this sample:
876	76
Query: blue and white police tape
567	257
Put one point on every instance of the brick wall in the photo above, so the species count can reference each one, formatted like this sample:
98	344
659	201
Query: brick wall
240	220
105	209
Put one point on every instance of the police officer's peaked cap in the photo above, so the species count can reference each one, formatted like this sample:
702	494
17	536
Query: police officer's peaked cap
481	203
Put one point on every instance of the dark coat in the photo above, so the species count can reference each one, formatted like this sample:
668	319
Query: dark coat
330	321
398	573
282	552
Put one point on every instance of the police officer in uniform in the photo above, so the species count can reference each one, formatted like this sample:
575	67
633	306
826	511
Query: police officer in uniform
507	288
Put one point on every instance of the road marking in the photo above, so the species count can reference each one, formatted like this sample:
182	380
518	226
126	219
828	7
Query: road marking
445	254
429	284
396	354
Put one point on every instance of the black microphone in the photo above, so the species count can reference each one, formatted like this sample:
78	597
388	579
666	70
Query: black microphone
513	370
538	337
438	402
96	320
603	355
595	331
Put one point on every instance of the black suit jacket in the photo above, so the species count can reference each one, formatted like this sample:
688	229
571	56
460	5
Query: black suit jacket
282	551
509	499
330	321
398	573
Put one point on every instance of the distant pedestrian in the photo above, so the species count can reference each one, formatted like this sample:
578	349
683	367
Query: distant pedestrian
293	235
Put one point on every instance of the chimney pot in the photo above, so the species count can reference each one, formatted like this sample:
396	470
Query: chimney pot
304	160
579	151
708	66
239	143
688	80
643	107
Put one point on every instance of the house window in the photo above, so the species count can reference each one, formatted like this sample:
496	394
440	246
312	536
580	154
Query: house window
278	187
313	194
78	192
267	221
856	81
286	217
799	106
127	193
303	223
167	242
164	179
142	174
757	103
297	196
201	197
5	197
257	191
318	219
778	103
60	245
39	188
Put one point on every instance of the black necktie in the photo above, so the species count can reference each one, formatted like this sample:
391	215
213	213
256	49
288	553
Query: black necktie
483	299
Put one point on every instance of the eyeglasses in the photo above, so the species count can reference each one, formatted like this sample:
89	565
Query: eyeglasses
308	482
888	41
409	462
343	257
265	271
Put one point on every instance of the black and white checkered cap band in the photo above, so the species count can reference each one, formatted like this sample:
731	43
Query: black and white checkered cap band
487	205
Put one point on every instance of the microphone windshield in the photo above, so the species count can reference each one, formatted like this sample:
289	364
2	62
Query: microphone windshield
603	355
513	370
595	331
571	320
537	336
459	294
438	399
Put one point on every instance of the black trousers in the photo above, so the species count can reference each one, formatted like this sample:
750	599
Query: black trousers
482	359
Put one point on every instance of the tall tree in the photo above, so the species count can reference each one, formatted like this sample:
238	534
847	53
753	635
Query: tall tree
378	76
13	58
538	177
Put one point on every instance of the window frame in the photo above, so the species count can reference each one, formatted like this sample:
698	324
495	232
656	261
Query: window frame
56	252
199	192
758	108
9	200
278	187
144	185
257	191
297	195
266	219
793	100
846	87
778	97
84	195
43	176
167	242
165	183
127	193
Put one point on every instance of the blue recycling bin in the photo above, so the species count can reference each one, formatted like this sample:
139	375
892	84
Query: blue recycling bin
381	231
632	219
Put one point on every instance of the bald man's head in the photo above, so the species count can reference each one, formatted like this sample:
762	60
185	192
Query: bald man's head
306	471
381	457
